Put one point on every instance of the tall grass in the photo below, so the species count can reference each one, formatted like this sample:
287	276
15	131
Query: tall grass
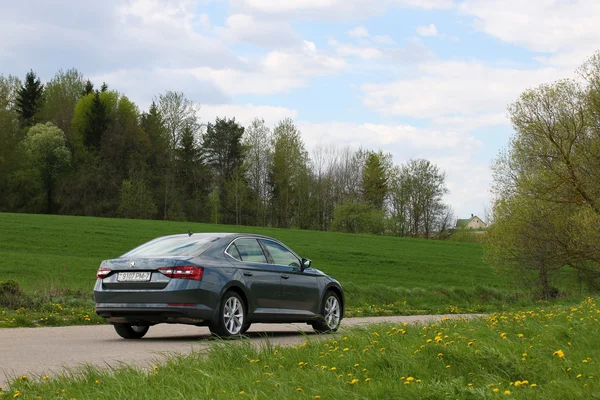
547	352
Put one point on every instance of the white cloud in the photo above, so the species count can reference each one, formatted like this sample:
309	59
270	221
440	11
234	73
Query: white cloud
463	123
331	9
246	113
364	52
358	32
244	28
142	85
443	89
107	36
277	71
427	30
567	28
383	39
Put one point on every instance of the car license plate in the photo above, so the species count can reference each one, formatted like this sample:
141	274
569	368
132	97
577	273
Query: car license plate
133	277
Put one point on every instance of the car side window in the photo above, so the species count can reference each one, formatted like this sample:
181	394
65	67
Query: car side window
249	250
233	252
281	255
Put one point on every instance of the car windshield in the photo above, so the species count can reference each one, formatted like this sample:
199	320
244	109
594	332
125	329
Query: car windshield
173	246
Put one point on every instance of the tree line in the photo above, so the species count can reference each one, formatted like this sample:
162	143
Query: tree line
67	147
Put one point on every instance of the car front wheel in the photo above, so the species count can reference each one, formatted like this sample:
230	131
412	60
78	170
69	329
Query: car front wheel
129	331
331	314
231	317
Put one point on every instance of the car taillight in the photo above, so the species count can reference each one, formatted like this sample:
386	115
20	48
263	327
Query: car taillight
103	272
184	272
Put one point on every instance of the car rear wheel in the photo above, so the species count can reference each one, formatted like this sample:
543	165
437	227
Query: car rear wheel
129	331
331	314
231	318
245	327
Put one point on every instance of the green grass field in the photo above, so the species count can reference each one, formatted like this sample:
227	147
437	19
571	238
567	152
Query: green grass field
540	353
42	251
54	256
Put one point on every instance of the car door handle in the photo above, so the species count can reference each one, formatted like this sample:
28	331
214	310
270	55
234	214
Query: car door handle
285	276
247	273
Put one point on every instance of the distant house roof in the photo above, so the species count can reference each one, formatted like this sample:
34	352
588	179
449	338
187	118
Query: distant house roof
462	222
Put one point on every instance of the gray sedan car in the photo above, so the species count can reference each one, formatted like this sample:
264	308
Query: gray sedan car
221	280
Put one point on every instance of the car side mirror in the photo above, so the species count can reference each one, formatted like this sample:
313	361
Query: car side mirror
306	263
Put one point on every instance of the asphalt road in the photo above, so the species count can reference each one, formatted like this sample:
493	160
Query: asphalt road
50	351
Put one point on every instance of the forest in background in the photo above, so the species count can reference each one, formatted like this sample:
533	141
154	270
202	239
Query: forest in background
69	148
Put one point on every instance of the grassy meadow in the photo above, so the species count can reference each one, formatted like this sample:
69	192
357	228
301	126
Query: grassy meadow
55	258
539	353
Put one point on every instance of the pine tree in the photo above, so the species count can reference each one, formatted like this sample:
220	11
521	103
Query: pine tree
89	88
29	99
97	123
375	180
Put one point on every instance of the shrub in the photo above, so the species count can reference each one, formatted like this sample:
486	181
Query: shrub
12	295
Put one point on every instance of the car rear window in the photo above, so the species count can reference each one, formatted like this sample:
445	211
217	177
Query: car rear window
173	246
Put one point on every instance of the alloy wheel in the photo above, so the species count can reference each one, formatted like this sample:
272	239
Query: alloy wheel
332	312
233	315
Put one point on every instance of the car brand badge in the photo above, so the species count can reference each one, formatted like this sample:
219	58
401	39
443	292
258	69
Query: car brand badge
133	263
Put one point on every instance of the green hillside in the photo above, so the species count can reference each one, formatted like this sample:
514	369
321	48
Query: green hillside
48	251
55	258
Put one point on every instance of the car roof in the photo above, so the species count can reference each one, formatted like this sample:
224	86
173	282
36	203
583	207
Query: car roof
219	235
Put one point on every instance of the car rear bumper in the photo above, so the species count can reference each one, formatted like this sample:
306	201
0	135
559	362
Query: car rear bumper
198	314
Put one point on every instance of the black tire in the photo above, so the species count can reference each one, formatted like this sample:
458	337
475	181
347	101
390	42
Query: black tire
129	331
246	327
231	317
331	314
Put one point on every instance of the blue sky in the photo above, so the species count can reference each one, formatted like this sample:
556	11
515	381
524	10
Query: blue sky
415	78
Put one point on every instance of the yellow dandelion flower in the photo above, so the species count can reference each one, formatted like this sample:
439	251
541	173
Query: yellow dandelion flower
410	379
364	370
45	377
447	366
356	365
579	375
469	384
496	390
367	379
533	385
298	389
17	394
316	396
407	383
242	392
418	381
333	369
97	382
23	378
520	335
559	353
507	392
353	381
